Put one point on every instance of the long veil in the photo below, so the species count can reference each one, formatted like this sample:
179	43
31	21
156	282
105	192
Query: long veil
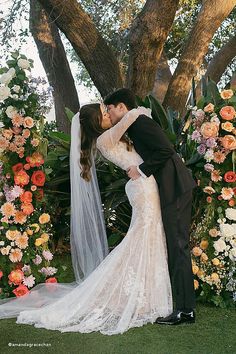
88	236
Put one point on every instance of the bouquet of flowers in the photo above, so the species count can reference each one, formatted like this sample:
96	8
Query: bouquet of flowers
213	130
25	227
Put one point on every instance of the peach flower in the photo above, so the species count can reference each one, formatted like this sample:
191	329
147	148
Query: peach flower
15	255
21	178
203	257
16	276
22	241
228	126
197	251
227	193
215	176
231	202
209	190
8	209
26	197
219	157
213	232
19	140
215	261
51	280
45	237
196	284
209	108
26	133
226	94
215	277
4	143
209	130
7	133
229	142
44	218
17	120
12	234
28	122
27	208
20	217
228	113
195	269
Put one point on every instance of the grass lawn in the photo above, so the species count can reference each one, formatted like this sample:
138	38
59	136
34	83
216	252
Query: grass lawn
213	333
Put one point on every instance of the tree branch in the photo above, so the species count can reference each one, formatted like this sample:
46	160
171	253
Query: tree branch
56	66
147	37
212	13
92	49
221	60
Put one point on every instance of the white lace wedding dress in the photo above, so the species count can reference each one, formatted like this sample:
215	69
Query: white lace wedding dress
131	287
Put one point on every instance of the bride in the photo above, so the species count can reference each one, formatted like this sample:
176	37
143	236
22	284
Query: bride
128	287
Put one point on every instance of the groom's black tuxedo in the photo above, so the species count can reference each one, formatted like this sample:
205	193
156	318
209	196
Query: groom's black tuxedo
175	185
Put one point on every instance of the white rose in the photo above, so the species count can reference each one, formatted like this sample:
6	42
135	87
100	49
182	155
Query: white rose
12	72
232	254
15	97
227	230
230	213
220	245
5	78
16	88
4	93
11	111
23	64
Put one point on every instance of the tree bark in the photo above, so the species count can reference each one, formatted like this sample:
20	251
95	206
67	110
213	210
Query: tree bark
97	56
53	58
162	80
212	13
147	37
221	60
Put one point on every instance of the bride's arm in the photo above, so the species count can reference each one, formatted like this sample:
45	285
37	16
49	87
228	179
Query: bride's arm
113	135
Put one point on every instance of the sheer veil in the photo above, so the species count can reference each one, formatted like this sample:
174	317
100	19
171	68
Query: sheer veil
88	236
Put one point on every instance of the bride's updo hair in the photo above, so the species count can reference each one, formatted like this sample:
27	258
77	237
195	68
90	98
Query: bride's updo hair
90	122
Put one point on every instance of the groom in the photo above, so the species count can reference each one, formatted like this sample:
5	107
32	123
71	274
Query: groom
175	187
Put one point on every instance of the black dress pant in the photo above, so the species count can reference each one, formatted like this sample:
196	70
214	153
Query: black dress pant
176	220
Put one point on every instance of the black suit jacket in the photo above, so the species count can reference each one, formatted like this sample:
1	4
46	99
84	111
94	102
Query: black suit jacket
160	159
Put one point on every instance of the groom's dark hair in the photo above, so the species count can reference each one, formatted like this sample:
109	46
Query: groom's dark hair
123	95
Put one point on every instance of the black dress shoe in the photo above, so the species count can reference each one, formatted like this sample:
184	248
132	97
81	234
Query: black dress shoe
177	317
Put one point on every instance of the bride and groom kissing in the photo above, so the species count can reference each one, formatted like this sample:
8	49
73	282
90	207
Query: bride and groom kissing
133	284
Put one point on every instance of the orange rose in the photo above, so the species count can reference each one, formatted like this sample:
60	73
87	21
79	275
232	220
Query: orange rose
21	178
209	108
230	177
17	168
228	113
27	208
26	197
231	202
16	276
229	142
1	274
226	94
209	130
21	290
38	178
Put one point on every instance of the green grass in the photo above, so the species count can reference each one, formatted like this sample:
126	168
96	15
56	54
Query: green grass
213	333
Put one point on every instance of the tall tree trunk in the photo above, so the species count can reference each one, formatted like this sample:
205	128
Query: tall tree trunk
221	60
212	13
97	56
147	37
53	57
163	77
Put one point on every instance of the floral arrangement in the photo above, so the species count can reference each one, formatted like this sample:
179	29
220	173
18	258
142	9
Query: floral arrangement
25	227
213	130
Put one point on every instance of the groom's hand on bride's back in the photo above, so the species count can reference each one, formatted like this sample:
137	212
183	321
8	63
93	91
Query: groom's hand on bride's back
133	173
